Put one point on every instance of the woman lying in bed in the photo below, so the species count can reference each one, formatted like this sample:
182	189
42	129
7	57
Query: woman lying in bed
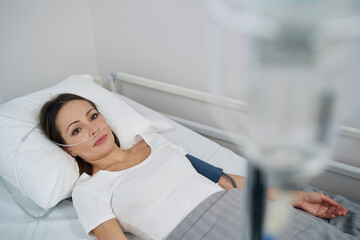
152	189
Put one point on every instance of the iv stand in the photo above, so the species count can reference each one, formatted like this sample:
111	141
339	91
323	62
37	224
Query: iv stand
255	202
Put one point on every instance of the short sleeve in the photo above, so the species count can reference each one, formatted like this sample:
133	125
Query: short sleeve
156	140
92	209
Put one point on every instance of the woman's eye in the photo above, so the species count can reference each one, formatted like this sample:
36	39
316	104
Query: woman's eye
94	116
76	131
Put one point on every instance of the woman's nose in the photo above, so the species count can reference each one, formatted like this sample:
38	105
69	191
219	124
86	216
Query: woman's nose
94	129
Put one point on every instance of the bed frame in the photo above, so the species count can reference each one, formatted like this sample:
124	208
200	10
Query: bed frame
118	79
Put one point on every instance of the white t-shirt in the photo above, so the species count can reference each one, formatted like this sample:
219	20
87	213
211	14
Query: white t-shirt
149	199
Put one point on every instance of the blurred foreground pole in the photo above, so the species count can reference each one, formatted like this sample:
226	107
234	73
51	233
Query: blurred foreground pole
292	54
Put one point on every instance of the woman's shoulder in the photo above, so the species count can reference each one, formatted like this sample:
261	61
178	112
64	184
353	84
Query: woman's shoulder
87	195
156	140
92	184
83	180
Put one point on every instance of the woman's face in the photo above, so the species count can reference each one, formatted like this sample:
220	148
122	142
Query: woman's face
79	121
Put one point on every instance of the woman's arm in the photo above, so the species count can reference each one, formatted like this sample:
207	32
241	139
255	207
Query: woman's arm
317	204
109	230
314	203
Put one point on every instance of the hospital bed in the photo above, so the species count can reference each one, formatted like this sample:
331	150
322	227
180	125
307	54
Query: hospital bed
62	223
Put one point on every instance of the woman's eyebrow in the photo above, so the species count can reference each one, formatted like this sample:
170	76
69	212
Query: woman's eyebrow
87	113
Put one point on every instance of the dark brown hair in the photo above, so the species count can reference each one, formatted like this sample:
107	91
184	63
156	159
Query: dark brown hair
47	118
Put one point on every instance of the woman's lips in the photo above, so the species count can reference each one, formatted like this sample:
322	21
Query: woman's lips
100	140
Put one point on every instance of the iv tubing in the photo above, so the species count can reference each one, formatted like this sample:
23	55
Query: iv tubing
23	139
21	206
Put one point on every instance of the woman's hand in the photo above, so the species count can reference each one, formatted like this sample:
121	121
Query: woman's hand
317	204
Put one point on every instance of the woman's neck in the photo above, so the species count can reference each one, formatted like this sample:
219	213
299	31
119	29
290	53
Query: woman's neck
110	161
120	159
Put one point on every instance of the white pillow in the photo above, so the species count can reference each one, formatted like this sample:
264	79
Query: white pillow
38	167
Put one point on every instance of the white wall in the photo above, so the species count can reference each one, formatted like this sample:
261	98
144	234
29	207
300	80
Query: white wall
42	43
168	41
159	39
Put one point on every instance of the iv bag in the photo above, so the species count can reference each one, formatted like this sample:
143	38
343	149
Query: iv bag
286	58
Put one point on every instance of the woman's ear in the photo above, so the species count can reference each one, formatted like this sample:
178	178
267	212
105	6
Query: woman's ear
68	150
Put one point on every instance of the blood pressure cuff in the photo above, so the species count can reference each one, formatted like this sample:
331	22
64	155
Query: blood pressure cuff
207	170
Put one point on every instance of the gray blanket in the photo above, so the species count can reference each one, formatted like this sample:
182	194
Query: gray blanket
220	217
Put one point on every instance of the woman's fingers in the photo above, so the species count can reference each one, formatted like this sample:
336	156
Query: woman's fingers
337	210
334	206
